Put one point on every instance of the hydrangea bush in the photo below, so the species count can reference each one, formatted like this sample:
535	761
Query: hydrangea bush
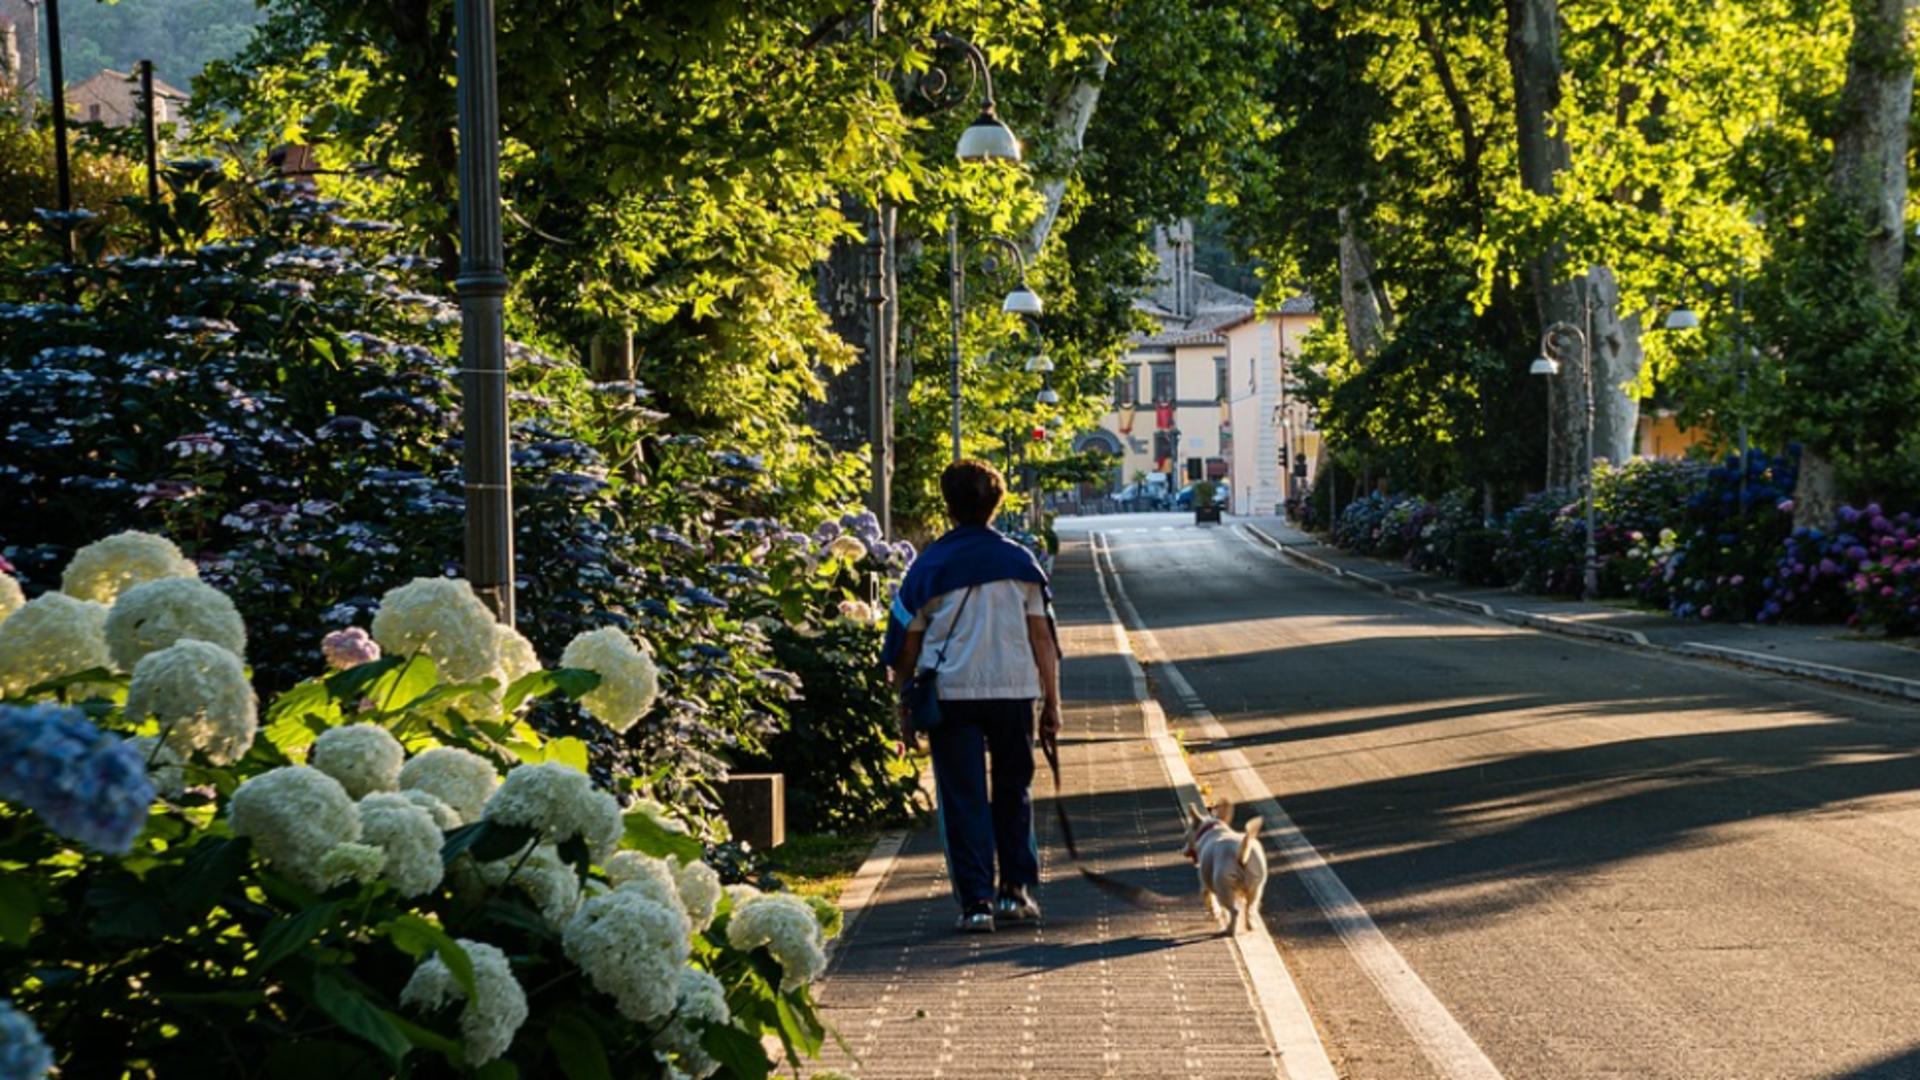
277	393
384	871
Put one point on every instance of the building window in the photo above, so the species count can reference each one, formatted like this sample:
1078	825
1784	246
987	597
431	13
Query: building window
1220	390
93	112
1163	384
1126	388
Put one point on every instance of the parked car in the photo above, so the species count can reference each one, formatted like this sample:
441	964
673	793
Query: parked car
1143	496
1184	500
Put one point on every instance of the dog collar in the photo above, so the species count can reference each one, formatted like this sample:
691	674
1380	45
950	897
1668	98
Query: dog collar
1193	847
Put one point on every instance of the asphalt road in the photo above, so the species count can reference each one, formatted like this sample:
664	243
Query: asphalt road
1602	863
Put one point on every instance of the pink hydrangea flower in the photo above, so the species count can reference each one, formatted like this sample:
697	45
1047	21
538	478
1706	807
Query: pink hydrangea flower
349	648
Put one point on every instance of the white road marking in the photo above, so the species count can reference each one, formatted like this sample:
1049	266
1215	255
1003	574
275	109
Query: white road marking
1446	1044
1295	1041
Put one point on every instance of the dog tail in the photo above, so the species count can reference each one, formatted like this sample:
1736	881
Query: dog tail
1248	840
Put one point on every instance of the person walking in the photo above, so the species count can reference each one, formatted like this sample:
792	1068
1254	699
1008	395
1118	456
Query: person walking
971	628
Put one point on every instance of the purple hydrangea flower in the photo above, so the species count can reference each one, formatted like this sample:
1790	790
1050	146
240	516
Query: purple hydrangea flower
348	648
24	1054
86	784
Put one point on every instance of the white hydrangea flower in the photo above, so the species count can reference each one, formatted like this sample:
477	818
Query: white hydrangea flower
199	693
410	839
50	636
460	778
740	893
498	1008
646	875
165	767
785	924
352	862
444	816
558	803
628	680
702	998
156	614
848	548
632	950
517	658
12	597
858	612
104	569
365	758
544	877
295	815
699	887
442	619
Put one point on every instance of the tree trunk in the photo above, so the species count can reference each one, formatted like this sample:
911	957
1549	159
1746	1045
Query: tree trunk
1069	125
840	288
1363	305
1533	56
1870	180
1617	356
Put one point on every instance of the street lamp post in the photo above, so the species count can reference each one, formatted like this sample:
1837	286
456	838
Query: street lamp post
1549	365
482	287
1020	301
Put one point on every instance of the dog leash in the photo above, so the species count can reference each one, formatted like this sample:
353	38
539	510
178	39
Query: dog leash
1137	895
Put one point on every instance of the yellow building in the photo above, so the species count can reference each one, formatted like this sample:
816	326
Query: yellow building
1169	421
1275	444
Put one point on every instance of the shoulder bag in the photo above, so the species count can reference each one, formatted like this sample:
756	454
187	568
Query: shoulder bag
923	690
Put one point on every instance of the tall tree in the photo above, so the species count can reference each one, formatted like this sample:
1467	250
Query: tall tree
1869	191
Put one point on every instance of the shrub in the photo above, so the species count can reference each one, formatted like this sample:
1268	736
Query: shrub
283	402
1361	524
1864	570
1542	543
241	914
1721	562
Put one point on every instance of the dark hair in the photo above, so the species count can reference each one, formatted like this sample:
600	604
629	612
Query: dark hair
973	490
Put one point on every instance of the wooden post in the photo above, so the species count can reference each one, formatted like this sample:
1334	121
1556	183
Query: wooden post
151	109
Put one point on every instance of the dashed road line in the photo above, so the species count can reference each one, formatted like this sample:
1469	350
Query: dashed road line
1446	1044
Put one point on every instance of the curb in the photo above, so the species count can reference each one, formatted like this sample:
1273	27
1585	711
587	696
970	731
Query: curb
1872	682
866	882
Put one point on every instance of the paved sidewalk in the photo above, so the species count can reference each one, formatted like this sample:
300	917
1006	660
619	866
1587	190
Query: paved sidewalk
1827	653
1102	989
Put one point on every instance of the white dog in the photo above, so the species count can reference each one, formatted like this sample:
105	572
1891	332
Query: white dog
1233	866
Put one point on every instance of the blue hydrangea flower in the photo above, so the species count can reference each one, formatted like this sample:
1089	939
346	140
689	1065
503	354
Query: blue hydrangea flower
24	1055
86	784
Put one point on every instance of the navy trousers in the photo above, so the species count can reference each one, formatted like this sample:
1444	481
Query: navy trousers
975	826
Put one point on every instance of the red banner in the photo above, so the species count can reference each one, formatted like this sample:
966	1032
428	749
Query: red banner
1163	415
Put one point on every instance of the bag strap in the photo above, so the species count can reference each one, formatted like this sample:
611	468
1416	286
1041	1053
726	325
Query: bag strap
953	627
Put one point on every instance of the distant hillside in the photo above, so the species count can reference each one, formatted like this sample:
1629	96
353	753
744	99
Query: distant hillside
180	36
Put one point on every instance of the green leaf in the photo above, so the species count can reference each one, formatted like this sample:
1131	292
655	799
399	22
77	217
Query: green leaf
351	1009
427	1038
573	852
19	903
497	1069
740	1055
486	841
569	751
321	1059
285	936
78	678
395	691
417	937
303	699
576	683
577	1047
353	683
649	837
